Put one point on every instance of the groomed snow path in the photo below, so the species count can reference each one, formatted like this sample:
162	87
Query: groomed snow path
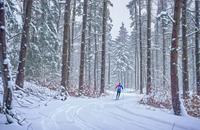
103	113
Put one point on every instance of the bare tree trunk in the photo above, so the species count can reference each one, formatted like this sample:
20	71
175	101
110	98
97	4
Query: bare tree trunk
185	50
73	23
164	45
24	43
132	80
174	58
124	78
109	70
95	65
71	63
86	64
98	63
103	60
89	46
197	52
66	46
95	55
193	71
59	19
69	51
148	47
121	77
7	95
157	83
68	63
84	24
127	81
136	49
156	54
140	35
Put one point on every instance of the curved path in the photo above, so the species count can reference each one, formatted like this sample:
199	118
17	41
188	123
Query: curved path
109	114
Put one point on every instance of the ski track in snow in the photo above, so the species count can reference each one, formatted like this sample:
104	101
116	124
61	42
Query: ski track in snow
105	114
66	116
141	120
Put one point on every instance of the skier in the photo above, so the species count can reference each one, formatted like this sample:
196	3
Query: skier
119	88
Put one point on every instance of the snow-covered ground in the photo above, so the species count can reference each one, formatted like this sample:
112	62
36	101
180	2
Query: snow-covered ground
103	113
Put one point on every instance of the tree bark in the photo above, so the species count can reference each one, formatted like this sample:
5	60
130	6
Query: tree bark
66	46
174	58
109	69
140	36
73	35
73	22
148	91
136	49
82	55
185	50
157	83
103	60
95	53
124	78
164	45
24	43
197	52
89	45
7	95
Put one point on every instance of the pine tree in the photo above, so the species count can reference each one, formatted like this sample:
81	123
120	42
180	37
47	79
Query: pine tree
197	52
174	58
185	50
66	46
73	21
122	55
140	39
95	47
24	43
103	57
148	47
6	77
163	7
14	31
43	56
83	41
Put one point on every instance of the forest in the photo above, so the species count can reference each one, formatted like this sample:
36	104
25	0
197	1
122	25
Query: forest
61	67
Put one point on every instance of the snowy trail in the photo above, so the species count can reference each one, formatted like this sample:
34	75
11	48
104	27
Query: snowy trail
108	114
103	113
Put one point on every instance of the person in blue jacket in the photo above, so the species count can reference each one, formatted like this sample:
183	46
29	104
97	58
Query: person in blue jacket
119	88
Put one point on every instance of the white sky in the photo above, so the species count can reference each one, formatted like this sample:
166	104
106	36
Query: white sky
119	14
